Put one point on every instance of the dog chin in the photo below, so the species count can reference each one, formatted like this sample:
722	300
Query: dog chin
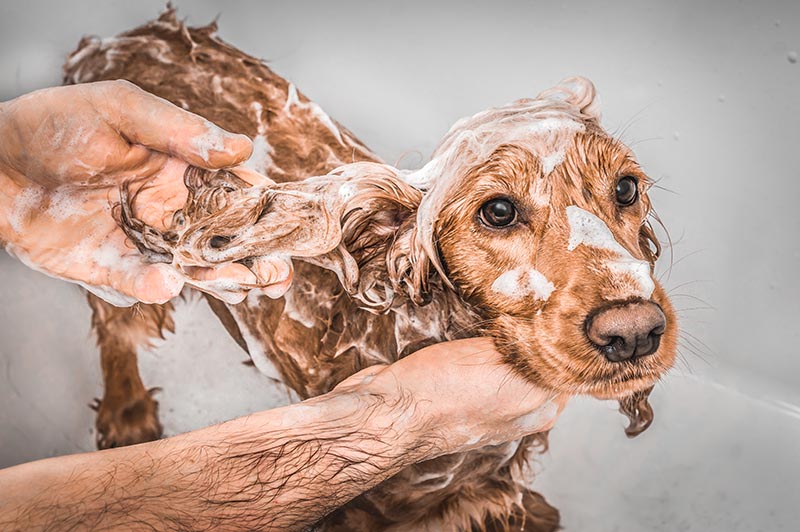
622	388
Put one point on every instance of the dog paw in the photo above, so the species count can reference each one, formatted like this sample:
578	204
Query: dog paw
121	423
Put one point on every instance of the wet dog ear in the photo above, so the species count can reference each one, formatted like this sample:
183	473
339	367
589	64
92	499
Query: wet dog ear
579	92
379	230
358	221
638	411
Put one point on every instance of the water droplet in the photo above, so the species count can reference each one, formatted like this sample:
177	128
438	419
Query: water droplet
721	98
792	57
676	136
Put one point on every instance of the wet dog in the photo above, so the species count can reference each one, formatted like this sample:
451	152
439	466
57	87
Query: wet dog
529	224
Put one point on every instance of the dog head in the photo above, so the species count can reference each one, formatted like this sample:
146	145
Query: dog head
539	219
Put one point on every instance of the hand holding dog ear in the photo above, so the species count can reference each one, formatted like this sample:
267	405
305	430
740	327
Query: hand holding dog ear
65	152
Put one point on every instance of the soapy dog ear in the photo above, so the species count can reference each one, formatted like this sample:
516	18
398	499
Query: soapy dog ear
379	230
359	221
369	216
579	92
638	411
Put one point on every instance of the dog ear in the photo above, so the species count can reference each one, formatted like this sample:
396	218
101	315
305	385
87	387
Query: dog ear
379	231
637	409
579	92
358	221
362	221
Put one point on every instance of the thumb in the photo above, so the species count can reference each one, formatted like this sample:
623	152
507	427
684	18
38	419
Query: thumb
274	274
143	118
147	283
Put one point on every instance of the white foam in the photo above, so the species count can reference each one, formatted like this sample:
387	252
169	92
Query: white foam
293	100
291	311
550	161
261	159
256	349
64	205
347	191
216	84
211	140
553	125
228	291
589	230
26	201
522	283
325	120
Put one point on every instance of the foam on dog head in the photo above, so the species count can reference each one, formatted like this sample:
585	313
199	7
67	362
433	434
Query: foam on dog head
543	125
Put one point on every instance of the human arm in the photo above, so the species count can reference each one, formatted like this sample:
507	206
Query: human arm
284	469
64	152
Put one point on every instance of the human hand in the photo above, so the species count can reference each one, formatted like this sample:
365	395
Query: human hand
461	395
63	155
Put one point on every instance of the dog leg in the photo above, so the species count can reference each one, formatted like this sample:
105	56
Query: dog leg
127	413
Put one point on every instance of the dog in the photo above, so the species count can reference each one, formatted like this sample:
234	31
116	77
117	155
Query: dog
529	225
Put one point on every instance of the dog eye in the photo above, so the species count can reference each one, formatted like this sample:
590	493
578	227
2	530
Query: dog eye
498	212
627	190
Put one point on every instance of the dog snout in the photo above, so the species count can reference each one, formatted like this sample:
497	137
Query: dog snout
626	331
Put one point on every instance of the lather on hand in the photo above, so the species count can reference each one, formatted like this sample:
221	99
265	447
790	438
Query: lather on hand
63	155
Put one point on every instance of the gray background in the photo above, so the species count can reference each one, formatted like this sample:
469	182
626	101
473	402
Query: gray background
706	93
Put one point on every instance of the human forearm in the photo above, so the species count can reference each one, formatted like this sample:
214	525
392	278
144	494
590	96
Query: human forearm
282	469
285	468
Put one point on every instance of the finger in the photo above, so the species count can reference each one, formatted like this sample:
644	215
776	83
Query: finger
228	282
148	283
143	118
232	275
274	274
252	177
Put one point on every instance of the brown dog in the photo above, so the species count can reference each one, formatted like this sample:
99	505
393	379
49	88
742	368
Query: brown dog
529	225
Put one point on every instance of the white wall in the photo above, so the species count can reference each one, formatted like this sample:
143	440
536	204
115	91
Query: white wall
706	94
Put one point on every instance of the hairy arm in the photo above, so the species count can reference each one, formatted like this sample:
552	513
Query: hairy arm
282	469
286	468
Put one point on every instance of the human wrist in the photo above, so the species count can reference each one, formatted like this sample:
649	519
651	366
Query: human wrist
308	458
380	422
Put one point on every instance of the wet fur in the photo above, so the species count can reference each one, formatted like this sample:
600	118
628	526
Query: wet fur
329	326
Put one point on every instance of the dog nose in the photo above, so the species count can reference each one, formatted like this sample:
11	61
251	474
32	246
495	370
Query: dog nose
627	331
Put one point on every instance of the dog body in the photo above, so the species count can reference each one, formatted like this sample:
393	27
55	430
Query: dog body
409	259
